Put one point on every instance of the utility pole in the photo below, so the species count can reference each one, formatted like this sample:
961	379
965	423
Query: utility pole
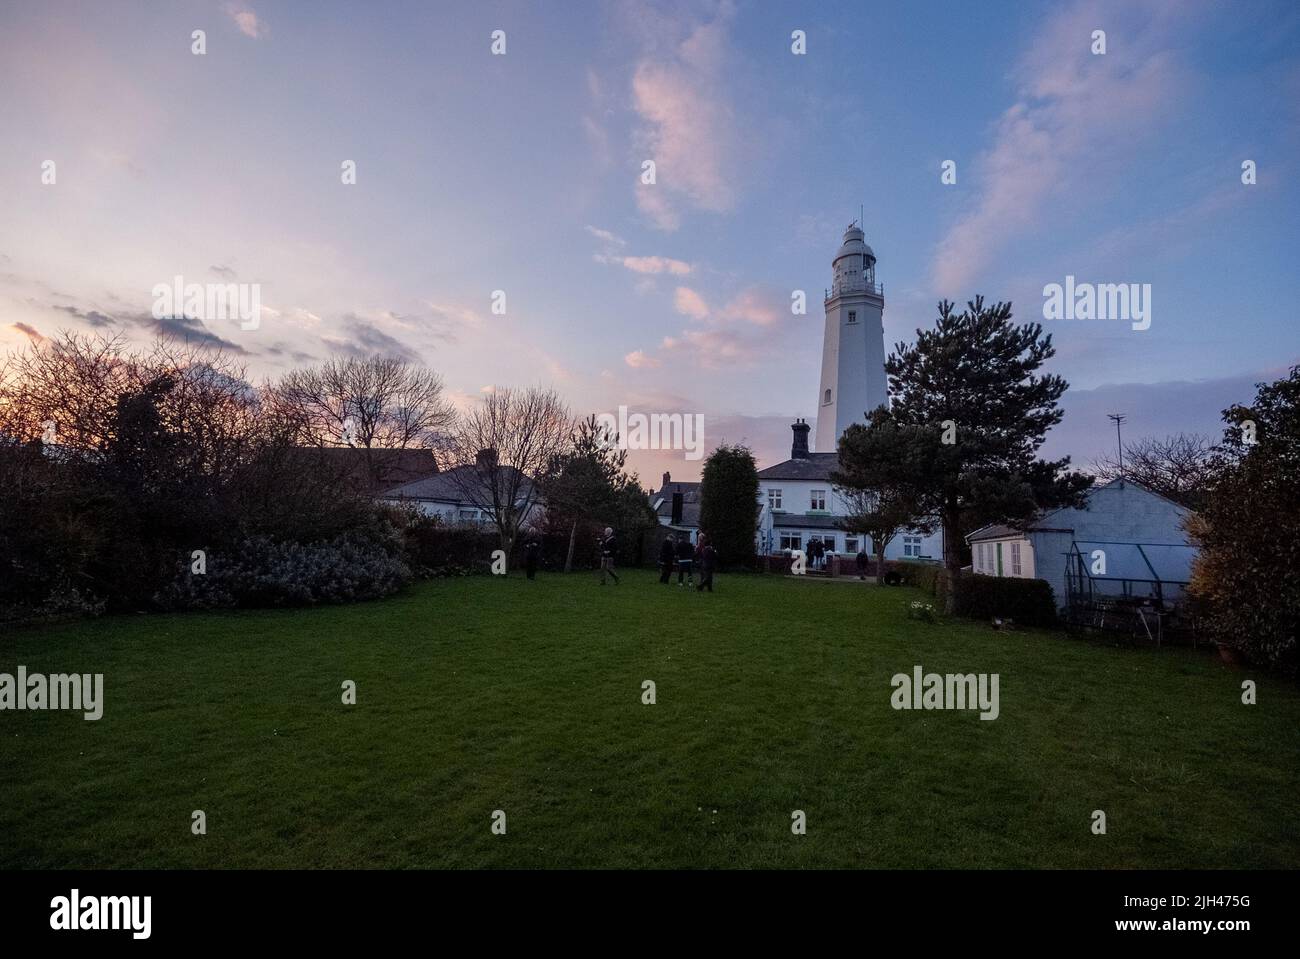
1119	441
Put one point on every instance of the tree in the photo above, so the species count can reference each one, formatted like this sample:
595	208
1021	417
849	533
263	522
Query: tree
501	448
376	403
877	478
587	483
971	388
1180	467
729	503
1248	529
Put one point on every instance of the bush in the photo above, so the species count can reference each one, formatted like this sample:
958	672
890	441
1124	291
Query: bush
261	572
1027	602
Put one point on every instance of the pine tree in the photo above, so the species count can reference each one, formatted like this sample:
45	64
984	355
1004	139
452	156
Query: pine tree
971	411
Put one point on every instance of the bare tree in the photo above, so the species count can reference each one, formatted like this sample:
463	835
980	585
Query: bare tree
882	515
501	448
369	404
65	390
1180	467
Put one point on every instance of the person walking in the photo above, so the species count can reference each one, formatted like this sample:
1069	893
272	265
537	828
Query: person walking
708	561
607	547
685	560
531	550
667	557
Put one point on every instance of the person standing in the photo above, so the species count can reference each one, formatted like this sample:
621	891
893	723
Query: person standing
685	560
531	551
667	557
607	547
862	563
708	561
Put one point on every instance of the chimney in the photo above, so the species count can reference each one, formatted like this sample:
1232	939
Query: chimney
677	508
667	479
486	459
799	448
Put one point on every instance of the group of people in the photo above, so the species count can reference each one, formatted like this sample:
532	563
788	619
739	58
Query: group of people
675	553
681	554
818	554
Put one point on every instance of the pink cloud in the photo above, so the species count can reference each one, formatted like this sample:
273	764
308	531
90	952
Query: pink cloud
1072	105
688	126
689	303
640	360
246	20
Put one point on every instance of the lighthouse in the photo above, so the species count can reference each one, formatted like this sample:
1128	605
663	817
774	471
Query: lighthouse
853	346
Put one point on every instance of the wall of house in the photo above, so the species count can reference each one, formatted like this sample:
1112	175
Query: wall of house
997	557
456	513
796	500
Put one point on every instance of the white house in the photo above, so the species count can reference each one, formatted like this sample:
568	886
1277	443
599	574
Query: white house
463	495
1126	541
677	506
797	501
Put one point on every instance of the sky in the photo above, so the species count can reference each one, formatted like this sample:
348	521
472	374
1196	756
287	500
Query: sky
478	173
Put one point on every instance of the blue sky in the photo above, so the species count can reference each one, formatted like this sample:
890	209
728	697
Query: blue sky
521	173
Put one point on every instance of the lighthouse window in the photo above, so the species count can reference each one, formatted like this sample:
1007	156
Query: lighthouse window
853	316
827	397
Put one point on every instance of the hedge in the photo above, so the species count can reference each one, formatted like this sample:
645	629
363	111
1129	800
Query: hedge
1027	602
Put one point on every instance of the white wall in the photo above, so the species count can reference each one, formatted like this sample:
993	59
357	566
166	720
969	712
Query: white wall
796	496
984	557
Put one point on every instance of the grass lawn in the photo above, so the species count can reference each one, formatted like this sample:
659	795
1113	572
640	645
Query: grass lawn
773	695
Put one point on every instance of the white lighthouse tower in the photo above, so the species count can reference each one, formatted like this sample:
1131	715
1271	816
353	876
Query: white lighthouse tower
853	346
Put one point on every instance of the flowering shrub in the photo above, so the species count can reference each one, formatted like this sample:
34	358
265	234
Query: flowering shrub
925	612
261	572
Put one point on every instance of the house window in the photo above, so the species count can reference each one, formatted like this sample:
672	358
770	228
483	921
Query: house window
853	316
1015	559
818	499
979	557
912	546
469	516
774	499
851	544
791	540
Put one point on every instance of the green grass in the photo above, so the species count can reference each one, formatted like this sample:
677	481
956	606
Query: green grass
773	695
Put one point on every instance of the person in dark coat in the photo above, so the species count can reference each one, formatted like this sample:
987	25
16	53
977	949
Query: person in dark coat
667	558
862	564
685	561
708	562
607	547
532	549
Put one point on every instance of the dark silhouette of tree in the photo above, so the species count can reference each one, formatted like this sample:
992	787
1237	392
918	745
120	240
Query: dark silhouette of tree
971	387
729	504
1180	467
1245	577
